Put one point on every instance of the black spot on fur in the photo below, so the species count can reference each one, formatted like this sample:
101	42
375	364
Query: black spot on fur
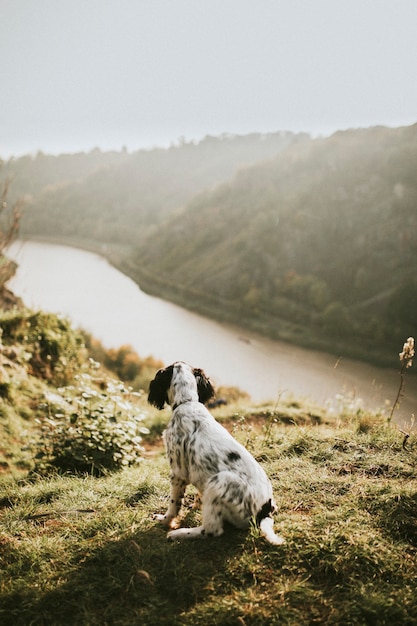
234	493
192	457
210	464
233	456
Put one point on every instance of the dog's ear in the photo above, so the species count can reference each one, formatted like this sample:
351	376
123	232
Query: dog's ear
158	388
204	387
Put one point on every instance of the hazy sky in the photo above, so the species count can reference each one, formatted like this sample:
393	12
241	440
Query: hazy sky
76	74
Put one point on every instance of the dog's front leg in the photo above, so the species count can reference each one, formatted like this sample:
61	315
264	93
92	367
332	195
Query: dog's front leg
178	486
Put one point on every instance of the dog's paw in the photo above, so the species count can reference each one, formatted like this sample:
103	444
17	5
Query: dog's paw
162	519
168	522
179	534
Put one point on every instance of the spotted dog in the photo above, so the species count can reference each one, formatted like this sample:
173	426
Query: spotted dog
233	486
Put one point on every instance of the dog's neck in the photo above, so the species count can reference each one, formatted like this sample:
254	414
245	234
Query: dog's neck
183	386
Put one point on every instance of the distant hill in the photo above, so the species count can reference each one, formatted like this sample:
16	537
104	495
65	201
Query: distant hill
309	240
317	245
118	198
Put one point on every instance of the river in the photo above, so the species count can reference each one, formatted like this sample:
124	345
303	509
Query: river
95	296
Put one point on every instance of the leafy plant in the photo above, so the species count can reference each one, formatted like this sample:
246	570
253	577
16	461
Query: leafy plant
54	349
90	430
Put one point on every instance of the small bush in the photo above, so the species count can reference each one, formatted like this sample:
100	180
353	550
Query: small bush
54	350
88	430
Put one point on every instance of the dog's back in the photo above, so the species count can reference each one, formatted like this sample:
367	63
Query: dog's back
200	447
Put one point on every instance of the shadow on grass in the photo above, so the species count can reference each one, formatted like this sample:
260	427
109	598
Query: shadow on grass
138	579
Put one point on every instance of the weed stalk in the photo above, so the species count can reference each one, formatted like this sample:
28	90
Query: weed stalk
406	358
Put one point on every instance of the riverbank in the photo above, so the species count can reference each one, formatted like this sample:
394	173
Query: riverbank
112	307
120	256
262	323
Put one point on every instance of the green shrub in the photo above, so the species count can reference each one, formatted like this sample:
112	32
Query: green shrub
53	348
90	430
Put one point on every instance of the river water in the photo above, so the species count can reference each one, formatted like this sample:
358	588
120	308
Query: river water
97	297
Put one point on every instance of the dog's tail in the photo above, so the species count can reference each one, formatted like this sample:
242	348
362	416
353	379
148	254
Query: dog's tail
266	524
267	530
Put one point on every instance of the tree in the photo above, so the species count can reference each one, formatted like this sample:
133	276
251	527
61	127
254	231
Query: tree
10	216
335	320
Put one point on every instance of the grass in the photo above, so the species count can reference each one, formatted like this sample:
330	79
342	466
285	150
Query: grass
84	550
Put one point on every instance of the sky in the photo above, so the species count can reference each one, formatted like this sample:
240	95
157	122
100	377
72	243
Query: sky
113	74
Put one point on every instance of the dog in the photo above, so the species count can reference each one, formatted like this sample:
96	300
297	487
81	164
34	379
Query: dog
233	486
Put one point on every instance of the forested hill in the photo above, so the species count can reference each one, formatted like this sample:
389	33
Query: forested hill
318	245
309	240
117	197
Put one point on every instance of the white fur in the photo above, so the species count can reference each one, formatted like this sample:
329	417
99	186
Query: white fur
233	486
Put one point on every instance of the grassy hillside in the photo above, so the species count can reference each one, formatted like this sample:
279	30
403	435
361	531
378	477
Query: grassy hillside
87	551
81	547
317	245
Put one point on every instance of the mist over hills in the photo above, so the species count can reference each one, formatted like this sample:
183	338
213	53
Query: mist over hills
118	197
310	240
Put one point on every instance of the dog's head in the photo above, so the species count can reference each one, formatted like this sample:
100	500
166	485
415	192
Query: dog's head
179	383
